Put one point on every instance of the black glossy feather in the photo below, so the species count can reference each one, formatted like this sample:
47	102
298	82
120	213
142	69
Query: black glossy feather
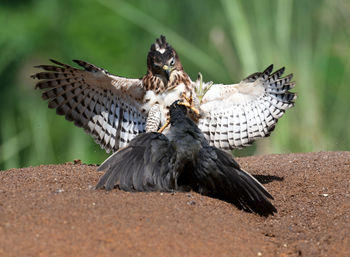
227	181
180	161
144	165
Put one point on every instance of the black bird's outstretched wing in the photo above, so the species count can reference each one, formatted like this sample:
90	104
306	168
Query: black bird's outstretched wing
219	175
144	165
182	161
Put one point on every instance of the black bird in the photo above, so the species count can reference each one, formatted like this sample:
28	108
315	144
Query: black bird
183	160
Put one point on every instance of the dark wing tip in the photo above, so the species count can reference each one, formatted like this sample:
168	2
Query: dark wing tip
80	62
99	186
103	166
87	66
268	70
61	64
289	76
277	74
57	62
270	210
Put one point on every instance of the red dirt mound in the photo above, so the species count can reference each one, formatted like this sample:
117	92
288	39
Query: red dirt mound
54	211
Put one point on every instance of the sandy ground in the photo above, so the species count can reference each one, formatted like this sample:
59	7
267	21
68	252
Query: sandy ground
54	211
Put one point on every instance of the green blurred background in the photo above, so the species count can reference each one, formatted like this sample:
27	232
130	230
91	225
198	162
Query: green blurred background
225	40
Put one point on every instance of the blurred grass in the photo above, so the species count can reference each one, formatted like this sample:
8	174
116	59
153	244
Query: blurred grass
224	40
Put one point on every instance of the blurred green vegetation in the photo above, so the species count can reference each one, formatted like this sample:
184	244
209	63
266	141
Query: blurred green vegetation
225	40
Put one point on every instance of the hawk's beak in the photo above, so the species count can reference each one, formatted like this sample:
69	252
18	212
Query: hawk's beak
167	71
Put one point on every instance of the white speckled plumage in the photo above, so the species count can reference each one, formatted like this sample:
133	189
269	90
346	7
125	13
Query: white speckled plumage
233	116
114	109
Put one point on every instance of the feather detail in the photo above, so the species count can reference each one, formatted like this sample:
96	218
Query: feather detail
182	160
94	99
251	108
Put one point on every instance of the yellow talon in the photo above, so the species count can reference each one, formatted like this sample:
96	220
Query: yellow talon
189	103
164	126
188	99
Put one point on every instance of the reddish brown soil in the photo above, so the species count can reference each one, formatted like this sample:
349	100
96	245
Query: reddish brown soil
54	211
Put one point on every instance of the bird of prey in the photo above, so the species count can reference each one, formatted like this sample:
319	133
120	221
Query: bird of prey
183	160
115	109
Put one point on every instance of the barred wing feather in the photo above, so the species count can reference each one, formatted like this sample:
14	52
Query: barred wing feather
108	107
233	116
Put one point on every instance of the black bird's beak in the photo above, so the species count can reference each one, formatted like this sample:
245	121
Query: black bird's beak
167	69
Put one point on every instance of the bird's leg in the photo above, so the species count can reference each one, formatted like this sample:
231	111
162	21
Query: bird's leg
164	126
153	118
189	103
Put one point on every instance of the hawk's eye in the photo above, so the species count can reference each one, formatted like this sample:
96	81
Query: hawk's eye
172	62
156	65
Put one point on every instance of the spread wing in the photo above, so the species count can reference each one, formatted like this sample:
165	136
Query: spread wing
144	165
108	107
218	175
235	115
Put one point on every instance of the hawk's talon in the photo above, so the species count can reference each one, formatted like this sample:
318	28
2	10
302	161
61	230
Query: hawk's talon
189	103
188	99
164	126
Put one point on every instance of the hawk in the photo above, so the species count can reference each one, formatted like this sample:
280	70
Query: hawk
183	160
115	109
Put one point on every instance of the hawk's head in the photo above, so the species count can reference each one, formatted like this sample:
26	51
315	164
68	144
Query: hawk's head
162	60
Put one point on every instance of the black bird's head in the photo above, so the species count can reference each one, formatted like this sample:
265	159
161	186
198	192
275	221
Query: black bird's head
162	59
177	111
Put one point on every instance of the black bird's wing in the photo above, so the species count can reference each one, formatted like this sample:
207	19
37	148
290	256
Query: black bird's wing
219	175
144	165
